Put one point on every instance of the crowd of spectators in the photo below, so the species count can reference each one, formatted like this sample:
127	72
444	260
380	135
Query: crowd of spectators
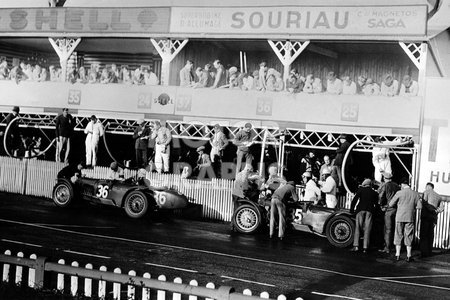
269	79
142	75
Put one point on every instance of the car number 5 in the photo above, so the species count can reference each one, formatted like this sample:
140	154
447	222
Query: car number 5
102	191
298	215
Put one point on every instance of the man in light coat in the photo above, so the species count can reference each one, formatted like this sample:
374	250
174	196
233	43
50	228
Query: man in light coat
329	188
407	202
94	130
162	137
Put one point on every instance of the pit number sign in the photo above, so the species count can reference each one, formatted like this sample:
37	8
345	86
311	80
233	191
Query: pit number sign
349	112
264	106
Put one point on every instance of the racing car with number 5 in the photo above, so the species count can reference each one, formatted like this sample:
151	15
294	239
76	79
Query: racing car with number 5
135	198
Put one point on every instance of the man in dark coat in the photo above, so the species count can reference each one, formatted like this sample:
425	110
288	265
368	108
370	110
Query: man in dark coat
64	124
367	200
339	159
13	141
386	192
141	135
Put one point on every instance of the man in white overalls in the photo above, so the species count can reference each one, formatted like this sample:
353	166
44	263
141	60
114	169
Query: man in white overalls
94	130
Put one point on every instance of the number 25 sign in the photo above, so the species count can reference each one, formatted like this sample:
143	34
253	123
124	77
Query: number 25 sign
350	112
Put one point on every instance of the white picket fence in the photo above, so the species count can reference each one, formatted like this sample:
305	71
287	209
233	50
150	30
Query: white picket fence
128	287
37	178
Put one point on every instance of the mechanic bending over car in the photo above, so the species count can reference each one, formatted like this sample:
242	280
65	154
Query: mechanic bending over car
141	180
115	172
278	203
273	181
71	172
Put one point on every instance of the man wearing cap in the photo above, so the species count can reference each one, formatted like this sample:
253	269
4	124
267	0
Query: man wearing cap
14	142
162	137
329	188
203	163
340	153
64	129
407	202
115	172
278	205
385	193
312	191
365	201
94	130
218	143
140	136
243	140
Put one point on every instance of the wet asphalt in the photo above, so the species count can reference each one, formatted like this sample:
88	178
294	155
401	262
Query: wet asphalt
302	265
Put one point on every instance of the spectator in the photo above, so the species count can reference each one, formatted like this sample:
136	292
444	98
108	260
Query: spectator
365	201
349	86
64	129
407	202
36	73
162	137
44	75
186	77
218	143
278	205
329	188
16	74
114	74
371	88
4	71
274	81
243	140
202	78
105	76
386	192
140	135
220	76
262	75
126	76
138	76
208	68
115	172
234	82
53	74
360	86
93	74
432	205
28	71
150	78
72	74
312	85
293	83
326	164
389	86
380	160
94	130
203	166
409	87
312	191
82	77
256	82
334	84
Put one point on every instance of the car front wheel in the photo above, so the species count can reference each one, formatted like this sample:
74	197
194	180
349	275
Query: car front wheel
246	219
340	231
136	204
63	194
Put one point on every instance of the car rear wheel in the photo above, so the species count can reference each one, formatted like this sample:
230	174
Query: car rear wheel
63	194
136	204
340	231
246	219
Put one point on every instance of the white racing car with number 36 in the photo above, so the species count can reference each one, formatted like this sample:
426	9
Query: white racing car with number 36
136	199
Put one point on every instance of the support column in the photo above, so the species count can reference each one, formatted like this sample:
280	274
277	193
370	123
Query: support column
168	49
64	48
417	52
287	52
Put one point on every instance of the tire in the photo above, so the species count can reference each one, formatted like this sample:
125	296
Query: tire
63	195
136	204
246	219
340	231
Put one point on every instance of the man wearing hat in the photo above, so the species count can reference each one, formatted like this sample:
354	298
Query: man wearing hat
329	188
218	143
407	202
385	193
365	201
94	130
115	172
64	125
203	163
340	153
243	140
140	135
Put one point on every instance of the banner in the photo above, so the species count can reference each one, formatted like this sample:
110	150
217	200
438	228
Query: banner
85	20
301	20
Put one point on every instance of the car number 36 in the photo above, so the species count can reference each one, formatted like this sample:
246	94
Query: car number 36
297	216
102	191
160	198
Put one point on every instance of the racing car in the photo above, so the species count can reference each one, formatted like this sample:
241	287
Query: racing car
337	225
135	198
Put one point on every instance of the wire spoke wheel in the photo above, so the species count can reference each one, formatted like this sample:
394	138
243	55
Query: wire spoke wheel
340	231
247	219
136	204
